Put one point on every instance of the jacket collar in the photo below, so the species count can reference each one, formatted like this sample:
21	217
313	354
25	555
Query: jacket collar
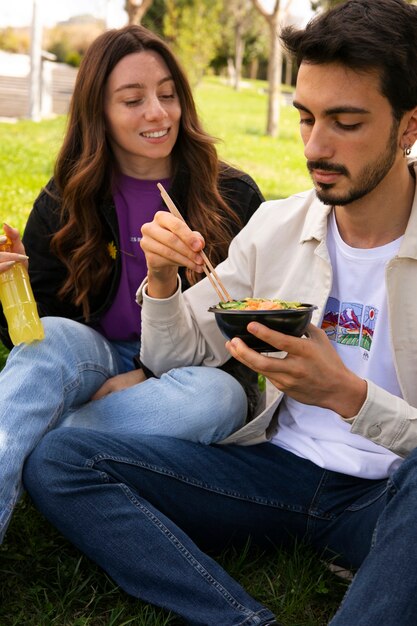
408	246
315	224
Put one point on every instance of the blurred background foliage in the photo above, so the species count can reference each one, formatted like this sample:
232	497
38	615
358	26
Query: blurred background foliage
201	32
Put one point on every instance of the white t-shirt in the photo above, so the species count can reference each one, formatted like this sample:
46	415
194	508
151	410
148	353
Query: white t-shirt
356	321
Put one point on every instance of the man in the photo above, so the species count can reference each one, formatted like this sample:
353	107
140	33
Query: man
331	459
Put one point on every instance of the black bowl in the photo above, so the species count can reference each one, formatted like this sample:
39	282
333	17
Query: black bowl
234	322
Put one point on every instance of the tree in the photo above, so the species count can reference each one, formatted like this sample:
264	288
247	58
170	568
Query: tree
242	39
242	21
136	9
192	29
154	18
274	66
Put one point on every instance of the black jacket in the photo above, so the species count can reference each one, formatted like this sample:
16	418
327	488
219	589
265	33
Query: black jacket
47	272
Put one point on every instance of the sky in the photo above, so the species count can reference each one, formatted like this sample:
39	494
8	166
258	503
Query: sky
19	12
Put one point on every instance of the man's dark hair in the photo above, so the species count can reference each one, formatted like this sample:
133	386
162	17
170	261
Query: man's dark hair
365	35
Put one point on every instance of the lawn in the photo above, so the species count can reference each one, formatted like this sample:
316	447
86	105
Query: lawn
44	581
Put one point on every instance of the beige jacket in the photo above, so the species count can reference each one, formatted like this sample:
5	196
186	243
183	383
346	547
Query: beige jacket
282	253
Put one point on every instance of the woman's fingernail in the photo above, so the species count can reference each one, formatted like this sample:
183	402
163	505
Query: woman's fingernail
3	238
23	257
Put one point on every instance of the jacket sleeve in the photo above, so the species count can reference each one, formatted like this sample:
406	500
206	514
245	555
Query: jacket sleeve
180	330
243	195
47	273
387	420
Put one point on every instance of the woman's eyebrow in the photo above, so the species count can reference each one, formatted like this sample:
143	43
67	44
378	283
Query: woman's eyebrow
166	79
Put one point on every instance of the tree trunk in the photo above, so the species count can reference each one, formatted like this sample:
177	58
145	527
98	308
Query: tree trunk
136	9
288	70
274	66
274	79
239	50
231	71
253	69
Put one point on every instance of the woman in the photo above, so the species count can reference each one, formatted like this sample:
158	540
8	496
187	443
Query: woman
132	124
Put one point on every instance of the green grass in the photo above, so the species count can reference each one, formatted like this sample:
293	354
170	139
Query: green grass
238	119
27	153
44	581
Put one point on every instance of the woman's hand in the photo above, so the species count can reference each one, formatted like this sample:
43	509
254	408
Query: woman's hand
117	383
169	243
311	372
17	253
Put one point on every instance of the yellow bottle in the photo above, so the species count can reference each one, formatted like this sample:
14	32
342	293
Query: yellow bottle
19	306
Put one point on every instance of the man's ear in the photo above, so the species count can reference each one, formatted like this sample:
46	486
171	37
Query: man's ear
409	135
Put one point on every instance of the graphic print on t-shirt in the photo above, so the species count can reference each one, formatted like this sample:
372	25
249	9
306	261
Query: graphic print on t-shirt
350	323
368	327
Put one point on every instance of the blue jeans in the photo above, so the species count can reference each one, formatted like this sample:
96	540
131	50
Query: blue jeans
145	509
49	384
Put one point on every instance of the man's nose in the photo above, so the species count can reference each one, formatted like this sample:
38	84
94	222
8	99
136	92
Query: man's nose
318	145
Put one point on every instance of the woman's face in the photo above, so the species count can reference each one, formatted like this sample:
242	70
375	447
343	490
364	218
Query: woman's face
142	113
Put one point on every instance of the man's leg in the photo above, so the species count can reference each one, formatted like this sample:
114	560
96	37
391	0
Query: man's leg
384	589
144	508
83	491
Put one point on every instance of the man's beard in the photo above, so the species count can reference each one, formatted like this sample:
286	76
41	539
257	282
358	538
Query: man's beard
369	178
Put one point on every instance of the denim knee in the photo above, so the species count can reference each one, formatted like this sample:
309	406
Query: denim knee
41	471
216	397
223	389
58	329
405	477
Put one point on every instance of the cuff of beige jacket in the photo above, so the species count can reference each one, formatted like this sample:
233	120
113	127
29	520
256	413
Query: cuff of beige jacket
387	420
142	296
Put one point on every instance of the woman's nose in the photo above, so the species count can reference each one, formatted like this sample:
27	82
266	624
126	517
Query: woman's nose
154	109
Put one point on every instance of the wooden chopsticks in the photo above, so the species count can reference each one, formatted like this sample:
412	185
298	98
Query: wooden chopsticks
209	270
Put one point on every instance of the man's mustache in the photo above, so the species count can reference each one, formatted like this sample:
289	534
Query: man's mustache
324	166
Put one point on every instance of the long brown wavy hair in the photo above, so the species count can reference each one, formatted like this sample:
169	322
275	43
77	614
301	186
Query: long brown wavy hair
85	166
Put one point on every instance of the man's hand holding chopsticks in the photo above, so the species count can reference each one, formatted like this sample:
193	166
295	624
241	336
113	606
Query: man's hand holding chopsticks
168	243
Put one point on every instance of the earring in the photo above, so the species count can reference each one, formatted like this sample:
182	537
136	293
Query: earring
406	151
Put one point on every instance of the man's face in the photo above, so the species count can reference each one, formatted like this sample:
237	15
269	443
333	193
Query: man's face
350	137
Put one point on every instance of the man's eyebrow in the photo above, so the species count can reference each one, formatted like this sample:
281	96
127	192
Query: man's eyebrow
166	79
333	110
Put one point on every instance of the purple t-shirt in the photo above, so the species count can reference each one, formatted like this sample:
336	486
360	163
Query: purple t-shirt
136	203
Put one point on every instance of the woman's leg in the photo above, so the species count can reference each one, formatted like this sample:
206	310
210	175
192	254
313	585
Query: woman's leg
38	384
201	404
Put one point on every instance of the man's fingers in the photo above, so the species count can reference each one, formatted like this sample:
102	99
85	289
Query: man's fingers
179	228
158	253
280	341
168	240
